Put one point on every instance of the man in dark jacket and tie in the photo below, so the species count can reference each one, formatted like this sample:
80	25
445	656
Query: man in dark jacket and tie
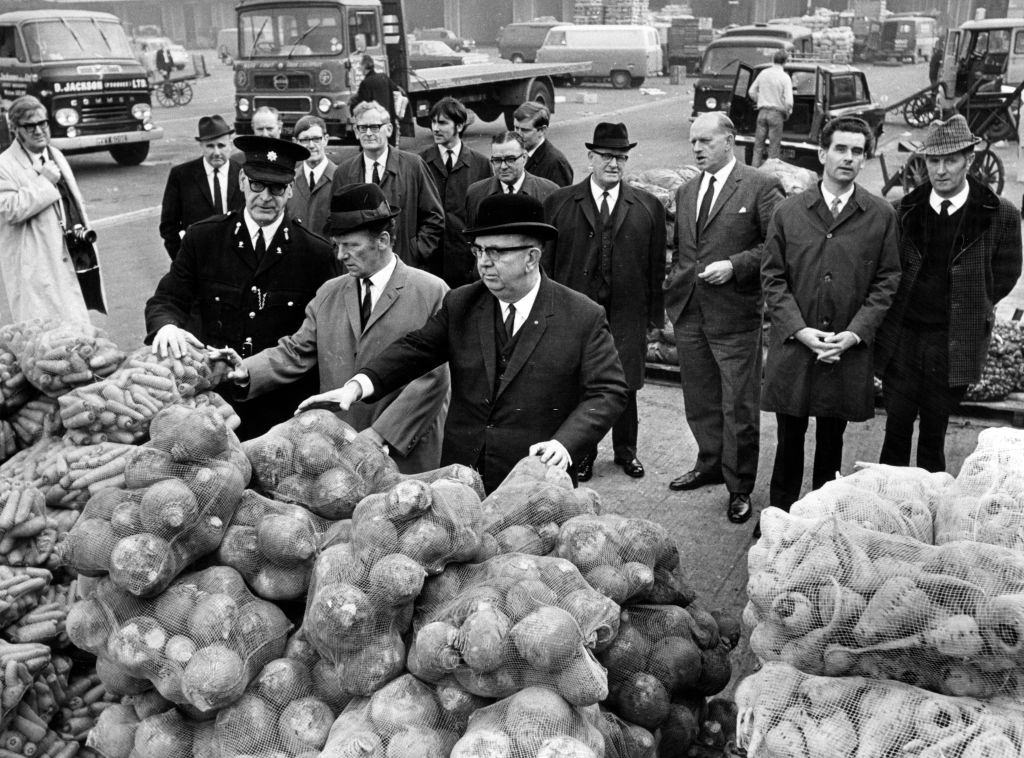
611	247
508	160
543	159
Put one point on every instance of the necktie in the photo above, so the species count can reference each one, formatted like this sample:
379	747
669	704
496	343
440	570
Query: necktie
260	248
944	208
312	181
376	173
836	207
510	321
449	162
218	201
510	189
605	213
364	305
705	205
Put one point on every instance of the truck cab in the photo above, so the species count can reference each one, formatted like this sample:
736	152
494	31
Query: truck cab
989	49
82	67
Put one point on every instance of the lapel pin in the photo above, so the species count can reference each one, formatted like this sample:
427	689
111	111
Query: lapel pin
285	230
278	251
238	225
241	245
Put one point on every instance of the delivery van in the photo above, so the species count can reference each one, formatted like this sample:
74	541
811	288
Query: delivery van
623	54
520	41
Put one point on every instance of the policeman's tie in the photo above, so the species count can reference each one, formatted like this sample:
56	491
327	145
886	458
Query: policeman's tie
705	205
260	248
364	305
218	201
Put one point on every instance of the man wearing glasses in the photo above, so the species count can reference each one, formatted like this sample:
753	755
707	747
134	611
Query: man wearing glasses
310	203
612	249
250	273
405	181
39	203
533	364
508	162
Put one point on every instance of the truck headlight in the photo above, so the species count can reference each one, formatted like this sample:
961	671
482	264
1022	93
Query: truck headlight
243	104
142	111
323	104
711	103
66	116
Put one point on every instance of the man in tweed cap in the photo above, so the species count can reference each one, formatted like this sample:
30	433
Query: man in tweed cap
961	254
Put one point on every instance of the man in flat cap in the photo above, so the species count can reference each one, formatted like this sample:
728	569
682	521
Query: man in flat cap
200	188
611	247
533	364
249	275
961	254
353	318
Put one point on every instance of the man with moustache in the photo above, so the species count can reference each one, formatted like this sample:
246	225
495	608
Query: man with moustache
508	161
310	202
542	158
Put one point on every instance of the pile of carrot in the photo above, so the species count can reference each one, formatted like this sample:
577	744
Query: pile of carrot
38	418
67	473
57	357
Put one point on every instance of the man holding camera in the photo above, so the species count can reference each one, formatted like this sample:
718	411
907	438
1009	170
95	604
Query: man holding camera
47	259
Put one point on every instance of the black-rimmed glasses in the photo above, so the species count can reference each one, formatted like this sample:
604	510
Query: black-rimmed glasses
274	189
508	160
34	125
494	253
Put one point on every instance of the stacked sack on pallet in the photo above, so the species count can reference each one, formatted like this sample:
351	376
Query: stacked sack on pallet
877	642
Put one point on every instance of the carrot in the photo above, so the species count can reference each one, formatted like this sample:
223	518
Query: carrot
24	511
32	730
109	469
29	528
10	509
59	367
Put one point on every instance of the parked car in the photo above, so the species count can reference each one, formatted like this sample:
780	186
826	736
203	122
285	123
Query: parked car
434	54
146	47
820	94
520	41
448	37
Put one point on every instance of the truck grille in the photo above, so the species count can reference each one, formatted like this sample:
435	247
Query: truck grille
295	81
98	109
285	104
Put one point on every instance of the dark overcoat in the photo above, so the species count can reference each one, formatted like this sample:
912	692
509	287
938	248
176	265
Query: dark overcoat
533	186
836	275
638	263
311	207
187	199
563	381
983	270
548	162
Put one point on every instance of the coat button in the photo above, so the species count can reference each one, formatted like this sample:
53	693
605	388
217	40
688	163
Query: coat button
828	236
252	314
290	303
825	322
828	277
216	298
254	288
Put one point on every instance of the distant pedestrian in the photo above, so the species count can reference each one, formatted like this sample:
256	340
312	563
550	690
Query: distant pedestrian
267	122
164	63
772	91
377	87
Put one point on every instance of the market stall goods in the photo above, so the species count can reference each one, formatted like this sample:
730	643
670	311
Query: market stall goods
56	357
36	419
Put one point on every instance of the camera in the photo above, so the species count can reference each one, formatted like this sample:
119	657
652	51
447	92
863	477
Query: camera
79	233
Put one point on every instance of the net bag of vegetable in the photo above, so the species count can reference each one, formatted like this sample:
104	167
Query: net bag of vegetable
113	736
535	722
513	621
15	389
38	418
273	546
624	740
27	533
200	642
889	499
833	598
783	713
988	504
57	357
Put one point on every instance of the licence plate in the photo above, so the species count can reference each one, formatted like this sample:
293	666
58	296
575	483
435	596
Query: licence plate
112	139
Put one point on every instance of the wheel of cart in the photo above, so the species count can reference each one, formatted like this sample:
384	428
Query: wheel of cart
921	109
173	93
987	168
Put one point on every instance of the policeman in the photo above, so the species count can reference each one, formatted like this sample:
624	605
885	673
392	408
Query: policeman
249	274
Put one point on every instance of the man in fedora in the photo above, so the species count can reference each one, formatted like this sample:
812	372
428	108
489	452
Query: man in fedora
352	318
508	162
242	279
533	364
961	254
611	247
203	187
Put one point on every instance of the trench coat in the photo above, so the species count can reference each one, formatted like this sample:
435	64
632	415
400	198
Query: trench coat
37	271
833	274
638	263
330	338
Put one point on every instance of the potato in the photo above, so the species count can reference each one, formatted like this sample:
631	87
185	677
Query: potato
396	579
165	735
484	743
676	663
481	639
286	540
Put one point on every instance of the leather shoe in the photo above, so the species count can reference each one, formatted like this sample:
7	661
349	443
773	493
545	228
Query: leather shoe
633	467
691	480
740	509
585	469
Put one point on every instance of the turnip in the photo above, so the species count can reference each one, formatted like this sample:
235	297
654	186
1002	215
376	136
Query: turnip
588	543
597	616
457	705
610	582
314	454
90	544
286	540
433	652
380	660
524	597
396	579
283	680
165	735
280	583
421	742
336	492
114	733
643	699
327	685
564	747
499	683
214	677
678	731
143	564
137	644
180	649
167	507
145	466
676	663
126	518
304	724
647	542
428	542
521	538
245	725
118	680
898	606
271	457
481	639
534	714
639	577
547	639
219	579
583	681
404	702
337	609
212	618
484	743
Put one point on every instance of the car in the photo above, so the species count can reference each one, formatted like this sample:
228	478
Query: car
448	37
434	54
146	47
520	41
821	92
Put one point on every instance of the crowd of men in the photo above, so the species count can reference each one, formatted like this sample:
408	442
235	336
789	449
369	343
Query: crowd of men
457	307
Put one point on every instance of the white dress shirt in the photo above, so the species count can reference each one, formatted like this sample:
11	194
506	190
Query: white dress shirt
222	177
318	170
720	176
517	185
523	307
456	152
268	231
613	195
368	166
378	282
955	203
830	198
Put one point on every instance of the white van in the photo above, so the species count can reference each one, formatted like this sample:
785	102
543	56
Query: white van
623	54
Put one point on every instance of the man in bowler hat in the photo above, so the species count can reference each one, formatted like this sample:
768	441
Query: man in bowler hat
203	187
353	317
248	275
611	247
533	363
961	254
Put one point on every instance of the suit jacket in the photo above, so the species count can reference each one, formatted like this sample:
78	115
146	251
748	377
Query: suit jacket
735	231
533	186
548	162
637	266
456	265
187	199
312	208
407	185
564	380
331	339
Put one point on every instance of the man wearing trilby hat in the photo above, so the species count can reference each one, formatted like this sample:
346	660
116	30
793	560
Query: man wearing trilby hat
249	274
961	254
533	364
353	318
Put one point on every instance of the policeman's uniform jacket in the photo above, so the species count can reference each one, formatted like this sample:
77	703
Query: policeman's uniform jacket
245	303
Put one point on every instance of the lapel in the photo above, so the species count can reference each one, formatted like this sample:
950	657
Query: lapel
485	330
241	243
388	296
622	207
686	209
350	296
204	185
390	168
530	334
326	178
538	156
234	191
585	202
731	184
277	248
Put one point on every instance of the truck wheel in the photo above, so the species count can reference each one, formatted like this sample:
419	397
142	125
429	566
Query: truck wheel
621	79
517	58
541	93
130	155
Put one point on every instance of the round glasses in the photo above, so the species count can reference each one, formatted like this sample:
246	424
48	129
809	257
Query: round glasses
310	140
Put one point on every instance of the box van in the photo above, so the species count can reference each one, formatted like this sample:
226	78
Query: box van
986	49
909	38
624	54
800	36
721	60
520	41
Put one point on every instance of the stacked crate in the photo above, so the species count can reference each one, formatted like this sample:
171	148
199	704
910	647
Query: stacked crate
588	12
625	11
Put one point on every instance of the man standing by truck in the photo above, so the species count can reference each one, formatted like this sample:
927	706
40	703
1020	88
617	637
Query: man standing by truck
772	91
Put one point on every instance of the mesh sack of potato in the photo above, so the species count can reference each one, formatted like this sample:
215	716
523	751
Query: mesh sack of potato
38	418
407	718
988	503
513	621
200	642
890	499
181	491
784	712
663	653
624	740
15	389
68	474
833	598
535	722
272	545
57	357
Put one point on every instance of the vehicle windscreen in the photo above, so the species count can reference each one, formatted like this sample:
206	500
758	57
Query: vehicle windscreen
726	60
75	39
291	32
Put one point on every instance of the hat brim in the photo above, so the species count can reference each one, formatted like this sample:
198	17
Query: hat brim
209	137
956	147
530	228
266	174
593	146
353	221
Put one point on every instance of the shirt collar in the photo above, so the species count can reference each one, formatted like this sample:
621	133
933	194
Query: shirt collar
955	203
530	153
269	231
517	185
843	198
383	161
613	193
382	277
524	304
318	169
723	173
221	170
456	152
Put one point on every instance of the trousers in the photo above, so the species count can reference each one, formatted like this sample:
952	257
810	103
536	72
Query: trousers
788	473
